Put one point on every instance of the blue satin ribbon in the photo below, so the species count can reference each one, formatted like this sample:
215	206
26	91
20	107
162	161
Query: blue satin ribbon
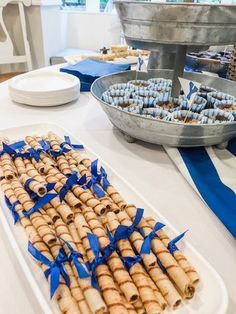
74	257
104	181
56	153
171	246
98	260
95	179
45	145
68	142
124	232
71	181
130	261
55	268
18	145
8	149
32	194
111	247
12	208
39	204
35	153
147	243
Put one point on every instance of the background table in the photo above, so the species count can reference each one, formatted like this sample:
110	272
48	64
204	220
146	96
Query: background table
147	167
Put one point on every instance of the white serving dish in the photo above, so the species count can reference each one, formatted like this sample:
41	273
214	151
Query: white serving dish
211	296
44	88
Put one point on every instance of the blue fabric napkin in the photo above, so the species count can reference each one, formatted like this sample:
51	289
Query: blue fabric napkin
89	70
212	173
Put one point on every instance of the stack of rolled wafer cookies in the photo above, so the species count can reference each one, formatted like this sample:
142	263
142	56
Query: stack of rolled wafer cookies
80	223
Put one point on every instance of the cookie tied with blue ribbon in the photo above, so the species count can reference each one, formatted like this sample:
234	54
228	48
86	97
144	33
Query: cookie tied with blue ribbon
77	259
98	258
67	143
95	180
70	183
147	243
55	268
39	204
124	232
12	207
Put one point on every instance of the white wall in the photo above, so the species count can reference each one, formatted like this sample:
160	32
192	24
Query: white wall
51	30
90	30
43	22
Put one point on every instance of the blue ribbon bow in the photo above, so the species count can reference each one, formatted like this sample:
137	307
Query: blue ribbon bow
35	153
55	268
104	181
95	179
71	181
74	257
39	204
147	243
9	149
171	246
68	142
130	261
111	247
124	232
45	145
98	260
12	208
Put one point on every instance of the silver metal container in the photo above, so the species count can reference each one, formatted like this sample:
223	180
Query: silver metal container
163	132
149	24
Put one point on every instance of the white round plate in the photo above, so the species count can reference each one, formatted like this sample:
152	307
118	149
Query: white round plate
44	88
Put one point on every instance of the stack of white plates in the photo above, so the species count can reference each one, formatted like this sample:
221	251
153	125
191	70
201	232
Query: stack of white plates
44	88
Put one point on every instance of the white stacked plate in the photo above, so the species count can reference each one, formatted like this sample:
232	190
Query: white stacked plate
44	88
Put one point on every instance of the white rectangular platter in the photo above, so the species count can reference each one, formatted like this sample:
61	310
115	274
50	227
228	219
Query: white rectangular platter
211	295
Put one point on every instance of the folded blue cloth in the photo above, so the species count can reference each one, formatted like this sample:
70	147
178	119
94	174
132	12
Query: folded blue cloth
211	172
89	70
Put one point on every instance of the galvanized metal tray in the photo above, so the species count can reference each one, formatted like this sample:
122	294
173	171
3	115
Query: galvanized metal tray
164	132
146	25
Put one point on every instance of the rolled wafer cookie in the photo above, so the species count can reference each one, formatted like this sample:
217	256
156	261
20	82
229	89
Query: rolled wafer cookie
70	198
63	209
39	166
8	167
137	239
114	262
105	280
116	197
161	280
66	300
35	186
32	172
85	196
95	303
178	255
175	272
75	289
36	218
137	273
63	165
51	212
20	166
43	156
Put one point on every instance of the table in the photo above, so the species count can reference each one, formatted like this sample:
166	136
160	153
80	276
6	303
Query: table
164	187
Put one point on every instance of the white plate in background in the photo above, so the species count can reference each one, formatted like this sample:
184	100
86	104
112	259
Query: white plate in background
44	88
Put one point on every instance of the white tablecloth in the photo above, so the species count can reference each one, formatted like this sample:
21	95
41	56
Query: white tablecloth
146	166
